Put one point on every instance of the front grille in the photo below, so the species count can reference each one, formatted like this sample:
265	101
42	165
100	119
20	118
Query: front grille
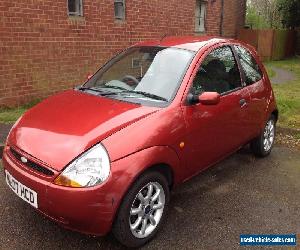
31	164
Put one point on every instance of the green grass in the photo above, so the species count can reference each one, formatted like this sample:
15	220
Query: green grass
271	72
288	94
10	115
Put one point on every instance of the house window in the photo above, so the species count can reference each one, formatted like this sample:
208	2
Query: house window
75	8
119	6
200	16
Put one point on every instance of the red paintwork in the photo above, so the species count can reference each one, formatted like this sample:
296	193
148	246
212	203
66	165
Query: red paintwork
209	98
72	120
136	138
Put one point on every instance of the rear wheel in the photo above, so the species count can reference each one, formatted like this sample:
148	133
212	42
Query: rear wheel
142	211
262	145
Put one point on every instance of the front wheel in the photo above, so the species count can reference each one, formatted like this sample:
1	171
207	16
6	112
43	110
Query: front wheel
142	211
263	144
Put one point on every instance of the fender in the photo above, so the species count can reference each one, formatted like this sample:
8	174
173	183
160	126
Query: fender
129	168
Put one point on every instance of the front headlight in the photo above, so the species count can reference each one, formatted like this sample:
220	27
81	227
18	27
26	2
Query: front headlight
90	169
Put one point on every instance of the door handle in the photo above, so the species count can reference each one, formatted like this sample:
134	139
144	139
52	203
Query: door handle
243	103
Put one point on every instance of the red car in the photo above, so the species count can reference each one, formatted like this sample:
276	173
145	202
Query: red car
104	156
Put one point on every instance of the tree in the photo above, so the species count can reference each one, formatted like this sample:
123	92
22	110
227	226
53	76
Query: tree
264	13
254	20
290	13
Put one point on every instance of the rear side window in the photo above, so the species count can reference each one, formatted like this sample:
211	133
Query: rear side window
250	67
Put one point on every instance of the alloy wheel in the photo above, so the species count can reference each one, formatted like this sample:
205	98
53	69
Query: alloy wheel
269	135
146	210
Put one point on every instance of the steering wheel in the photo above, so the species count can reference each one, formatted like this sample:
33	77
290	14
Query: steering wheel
131	78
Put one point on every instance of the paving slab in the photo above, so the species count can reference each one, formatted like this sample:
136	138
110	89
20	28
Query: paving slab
4	130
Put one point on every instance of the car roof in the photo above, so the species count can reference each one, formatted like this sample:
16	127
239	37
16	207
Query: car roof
193	43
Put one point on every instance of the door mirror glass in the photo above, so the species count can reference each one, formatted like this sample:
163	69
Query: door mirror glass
209	98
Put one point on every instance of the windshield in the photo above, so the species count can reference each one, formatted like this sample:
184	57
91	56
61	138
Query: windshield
139	73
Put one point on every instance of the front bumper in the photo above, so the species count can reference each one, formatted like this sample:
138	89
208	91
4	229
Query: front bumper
87	210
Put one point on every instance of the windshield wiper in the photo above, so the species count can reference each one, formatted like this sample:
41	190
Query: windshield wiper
152	96
112	87
106	93
102	93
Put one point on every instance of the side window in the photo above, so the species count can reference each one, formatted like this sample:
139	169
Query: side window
218	73
250	67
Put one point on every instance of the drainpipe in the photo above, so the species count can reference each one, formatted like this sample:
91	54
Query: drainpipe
222	18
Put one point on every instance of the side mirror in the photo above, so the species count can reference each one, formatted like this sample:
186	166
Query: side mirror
209	98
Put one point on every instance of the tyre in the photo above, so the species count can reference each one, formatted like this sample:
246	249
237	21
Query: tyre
263	144
142	211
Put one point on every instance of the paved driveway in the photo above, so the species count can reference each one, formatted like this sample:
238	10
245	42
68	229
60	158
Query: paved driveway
282	76
240	195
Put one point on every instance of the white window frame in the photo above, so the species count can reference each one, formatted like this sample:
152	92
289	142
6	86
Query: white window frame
79	7
200	16
120	17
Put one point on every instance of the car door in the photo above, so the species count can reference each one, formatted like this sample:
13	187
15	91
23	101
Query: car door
254	83
214	131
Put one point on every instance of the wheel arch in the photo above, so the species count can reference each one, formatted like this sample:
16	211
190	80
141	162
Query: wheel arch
166	163
275	113
164	169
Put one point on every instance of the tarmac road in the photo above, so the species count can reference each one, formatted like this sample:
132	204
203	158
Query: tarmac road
240	195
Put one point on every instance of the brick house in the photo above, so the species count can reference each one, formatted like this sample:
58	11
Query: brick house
47	46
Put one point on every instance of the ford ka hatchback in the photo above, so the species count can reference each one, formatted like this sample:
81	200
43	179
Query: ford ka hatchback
104	156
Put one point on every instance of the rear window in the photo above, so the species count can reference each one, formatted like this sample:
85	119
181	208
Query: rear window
249	65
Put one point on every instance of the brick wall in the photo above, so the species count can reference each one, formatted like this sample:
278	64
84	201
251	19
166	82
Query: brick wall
43	51
234	17
213	17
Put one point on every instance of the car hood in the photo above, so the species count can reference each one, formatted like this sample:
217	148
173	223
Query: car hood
65	125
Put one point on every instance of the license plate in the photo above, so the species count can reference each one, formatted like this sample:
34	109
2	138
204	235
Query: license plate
25	193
